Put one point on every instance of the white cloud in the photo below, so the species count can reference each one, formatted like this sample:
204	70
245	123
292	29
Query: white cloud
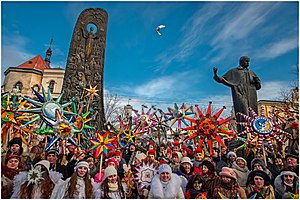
270	90
279	48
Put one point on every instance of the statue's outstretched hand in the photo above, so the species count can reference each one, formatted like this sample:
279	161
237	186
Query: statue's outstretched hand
216	71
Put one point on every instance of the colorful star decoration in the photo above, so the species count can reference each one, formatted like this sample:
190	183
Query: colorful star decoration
179	114
34	176
102	143
207	127
261	127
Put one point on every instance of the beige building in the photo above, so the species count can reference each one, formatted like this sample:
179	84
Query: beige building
34	73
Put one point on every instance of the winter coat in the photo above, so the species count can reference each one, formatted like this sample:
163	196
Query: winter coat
229	191
171	190
194	194
266	192
22	178
197	167
219	164
281	189
99	194
60	189
211	182
241	174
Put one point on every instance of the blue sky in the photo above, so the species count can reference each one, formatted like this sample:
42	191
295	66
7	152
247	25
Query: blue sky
176	66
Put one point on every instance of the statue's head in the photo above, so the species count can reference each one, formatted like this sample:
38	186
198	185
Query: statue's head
244	61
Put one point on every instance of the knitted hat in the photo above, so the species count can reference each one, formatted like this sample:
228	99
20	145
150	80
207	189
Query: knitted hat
140	156
111	160
209	165
259	161
231	153
198	150
169	150
10	156
260	173
152	151
81	164
45	163
186	160
183	147
116	153
164	168
228	172
110	170
292	153
176	143
52	151
240	158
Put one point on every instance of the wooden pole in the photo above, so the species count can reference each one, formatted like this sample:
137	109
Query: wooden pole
101	159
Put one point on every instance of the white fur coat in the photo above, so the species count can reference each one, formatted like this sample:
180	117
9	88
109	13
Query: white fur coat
172	190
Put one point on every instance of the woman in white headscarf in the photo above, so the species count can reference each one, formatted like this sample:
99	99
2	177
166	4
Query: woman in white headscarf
166	185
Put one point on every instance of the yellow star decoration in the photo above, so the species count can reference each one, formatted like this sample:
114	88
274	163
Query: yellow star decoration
92	91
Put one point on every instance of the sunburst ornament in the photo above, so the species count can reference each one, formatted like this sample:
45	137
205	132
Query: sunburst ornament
45	108
144	175
208	127
179	114
62	129
102	143
34	176
261	127
144	121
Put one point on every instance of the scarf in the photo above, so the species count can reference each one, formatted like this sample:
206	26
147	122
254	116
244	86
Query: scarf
263	191
113	186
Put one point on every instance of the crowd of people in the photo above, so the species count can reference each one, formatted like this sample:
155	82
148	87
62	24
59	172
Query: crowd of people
181	171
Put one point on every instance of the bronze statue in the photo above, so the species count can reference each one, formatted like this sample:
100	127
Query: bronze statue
243	83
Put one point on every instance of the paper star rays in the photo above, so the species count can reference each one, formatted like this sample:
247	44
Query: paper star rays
262	127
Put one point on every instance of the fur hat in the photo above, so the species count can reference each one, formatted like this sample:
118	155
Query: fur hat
259	161
18	141
228	172
111	160
45	163
260	173
110	170
231	153
186	160
15	140
240	158
211	167
292	153
81	164
164	168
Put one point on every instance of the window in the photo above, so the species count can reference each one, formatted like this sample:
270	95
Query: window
51	86
19	86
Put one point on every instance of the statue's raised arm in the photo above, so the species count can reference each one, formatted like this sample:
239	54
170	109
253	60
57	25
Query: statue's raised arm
243	83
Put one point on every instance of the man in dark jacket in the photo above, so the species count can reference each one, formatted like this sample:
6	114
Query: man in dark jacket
52	157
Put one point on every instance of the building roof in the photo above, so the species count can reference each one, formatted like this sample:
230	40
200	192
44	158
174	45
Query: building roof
37	63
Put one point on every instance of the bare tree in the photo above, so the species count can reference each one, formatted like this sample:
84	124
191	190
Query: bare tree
112	108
